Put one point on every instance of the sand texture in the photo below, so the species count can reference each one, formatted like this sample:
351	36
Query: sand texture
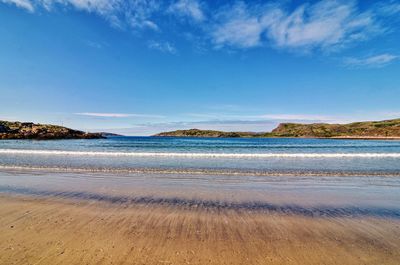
51	230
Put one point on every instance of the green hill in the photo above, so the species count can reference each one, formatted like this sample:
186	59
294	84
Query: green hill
387	128
368	129
205	133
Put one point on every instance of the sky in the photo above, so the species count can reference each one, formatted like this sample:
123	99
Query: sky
139	67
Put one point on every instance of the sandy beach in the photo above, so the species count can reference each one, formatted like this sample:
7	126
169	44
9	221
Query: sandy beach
69	231
71	218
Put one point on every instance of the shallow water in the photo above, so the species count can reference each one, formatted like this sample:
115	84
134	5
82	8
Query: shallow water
307	173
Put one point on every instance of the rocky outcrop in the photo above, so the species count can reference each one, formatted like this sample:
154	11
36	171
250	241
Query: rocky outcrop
3	129
29	130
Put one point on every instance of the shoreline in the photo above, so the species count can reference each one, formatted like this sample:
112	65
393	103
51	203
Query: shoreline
154	219
284	137
197	171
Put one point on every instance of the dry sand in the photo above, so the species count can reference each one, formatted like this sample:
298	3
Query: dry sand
51	230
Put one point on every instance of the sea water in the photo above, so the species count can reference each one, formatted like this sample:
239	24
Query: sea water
219	155
325	174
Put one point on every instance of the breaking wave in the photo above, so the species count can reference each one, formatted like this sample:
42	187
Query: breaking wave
198	155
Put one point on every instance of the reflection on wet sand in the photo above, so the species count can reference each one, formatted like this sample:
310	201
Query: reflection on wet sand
189	204
52	230
73	218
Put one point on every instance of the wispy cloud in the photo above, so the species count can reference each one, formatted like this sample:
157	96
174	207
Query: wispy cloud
237	26
117	115
25	4
389	7
162	46
252	123
231	125
316	25
267	117
375	61
187	8
95	44
137	14
299	117
322	25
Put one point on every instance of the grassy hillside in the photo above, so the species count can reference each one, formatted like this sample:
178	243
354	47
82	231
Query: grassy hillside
369	129
205	133
387	128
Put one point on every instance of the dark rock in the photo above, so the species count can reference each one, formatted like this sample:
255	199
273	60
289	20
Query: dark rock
3	129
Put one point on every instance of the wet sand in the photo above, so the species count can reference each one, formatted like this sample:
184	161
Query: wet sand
157	219
68	231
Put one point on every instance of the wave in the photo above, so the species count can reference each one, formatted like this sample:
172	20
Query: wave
199	171
199	155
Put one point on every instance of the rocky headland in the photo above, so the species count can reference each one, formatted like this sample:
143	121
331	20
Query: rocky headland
29	130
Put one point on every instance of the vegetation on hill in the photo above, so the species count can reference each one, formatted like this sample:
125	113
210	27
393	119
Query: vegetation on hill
206	133
29	130
369	129
387	128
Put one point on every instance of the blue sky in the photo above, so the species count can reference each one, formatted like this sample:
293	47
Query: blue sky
139	67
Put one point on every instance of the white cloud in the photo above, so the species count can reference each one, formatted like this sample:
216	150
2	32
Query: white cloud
150	25
302	117
232	125
271	117
316	25
375	61
389	7
25	4
136	14
324	24
162	46
95	44
117	115
189	8
237	27
229	123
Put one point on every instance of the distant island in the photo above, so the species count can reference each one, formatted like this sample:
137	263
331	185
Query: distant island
387	129
107	134
29	130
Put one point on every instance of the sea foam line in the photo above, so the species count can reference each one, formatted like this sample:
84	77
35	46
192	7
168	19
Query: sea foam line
201	171
200	155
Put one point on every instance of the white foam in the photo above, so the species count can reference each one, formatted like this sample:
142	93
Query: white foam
199	155
198	171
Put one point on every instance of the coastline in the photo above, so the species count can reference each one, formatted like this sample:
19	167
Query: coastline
289	137
363	138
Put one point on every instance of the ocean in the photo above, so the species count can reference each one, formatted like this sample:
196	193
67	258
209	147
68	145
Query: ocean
217	155
282	171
